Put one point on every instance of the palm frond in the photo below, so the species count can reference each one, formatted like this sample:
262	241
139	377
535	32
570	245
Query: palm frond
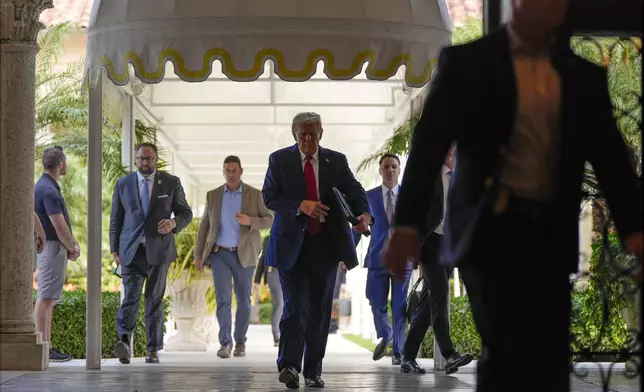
399	143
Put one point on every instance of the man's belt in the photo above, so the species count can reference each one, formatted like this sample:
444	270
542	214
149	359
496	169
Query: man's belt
506	202
217	248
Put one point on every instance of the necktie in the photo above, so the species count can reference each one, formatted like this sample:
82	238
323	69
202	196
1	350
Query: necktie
389	208
145	196
314	226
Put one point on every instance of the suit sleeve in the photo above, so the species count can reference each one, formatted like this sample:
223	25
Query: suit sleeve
434	133
353	190
613	166
180	208
264	220
116	220
273	194
202	233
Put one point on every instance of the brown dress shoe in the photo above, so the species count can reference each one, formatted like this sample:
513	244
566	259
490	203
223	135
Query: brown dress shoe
152	357
240	350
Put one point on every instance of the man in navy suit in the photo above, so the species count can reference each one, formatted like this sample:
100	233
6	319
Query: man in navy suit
382	200
309	237
142	229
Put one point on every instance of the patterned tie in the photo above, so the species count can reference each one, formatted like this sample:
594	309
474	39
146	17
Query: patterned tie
145	196
314	226
389	208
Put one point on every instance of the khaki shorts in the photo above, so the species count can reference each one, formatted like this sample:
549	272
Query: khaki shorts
52	267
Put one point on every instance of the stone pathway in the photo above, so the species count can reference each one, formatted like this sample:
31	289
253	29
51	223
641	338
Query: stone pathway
347	367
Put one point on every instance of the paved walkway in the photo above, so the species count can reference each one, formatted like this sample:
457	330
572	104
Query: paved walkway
347	367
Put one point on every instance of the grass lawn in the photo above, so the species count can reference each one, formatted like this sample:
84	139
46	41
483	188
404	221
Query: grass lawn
360	341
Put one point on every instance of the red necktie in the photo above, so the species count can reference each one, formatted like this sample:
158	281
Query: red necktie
314	226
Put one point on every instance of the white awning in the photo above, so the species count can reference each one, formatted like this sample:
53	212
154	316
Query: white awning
242	34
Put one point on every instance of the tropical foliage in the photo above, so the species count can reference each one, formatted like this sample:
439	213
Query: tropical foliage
61	119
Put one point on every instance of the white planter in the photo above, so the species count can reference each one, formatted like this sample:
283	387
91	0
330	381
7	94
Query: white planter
188	306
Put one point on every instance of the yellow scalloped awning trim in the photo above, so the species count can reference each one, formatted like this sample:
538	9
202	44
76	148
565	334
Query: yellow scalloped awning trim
258	66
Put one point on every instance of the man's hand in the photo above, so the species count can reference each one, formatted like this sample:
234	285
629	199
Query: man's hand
40	244
117	259
635	245
343	267
403	246
74	254
314	209
198	264
243	219
165	226
363	223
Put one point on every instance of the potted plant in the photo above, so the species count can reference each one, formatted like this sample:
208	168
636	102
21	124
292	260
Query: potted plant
187	288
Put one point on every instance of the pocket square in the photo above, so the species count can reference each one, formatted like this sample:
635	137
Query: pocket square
162	196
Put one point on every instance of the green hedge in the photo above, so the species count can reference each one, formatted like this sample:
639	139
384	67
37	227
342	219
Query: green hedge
69	323
265	311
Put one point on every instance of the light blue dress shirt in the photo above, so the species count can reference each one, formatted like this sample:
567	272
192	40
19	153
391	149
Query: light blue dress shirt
231	203
139	180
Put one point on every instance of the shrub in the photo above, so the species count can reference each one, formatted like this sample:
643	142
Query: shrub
462	329
69	322
265	310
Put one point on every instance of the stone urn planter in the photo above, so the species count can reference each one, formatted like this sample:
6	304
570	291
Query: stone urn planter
188	307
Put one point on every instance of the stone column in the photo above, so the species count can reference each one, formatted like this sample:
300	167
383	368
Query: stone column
21	348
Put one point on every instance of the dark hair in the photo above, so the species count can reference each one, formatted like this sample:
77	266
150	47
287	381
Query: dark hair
149	145
385	156
52	157
232	159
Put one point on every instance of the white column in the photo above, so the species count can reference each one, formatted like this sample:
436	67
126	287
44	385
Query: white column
21	347
128	133
94	231
439	361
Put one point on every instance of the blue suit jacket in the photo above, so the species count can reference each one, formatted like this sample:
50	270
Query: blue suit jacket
284	190
128	221
379	231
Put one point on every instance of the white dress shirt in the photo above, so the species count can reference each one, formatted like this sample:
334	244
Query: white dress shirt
531	158
446	178
394	195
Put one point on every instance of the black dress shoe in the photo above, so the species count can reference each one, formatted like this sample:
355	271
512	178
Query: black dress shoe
381	350
152	357
315	382
290	377
411	366
456	361
396	360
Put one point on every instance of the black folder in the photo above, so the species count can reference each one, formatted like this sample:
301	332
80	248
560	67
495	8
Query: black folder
346	209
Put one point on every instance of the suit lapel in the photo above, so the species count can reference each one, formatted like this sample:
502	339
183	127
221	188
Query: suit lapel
505	83
297	171
441	193
323	171
246	202
156	191
133	183
379	208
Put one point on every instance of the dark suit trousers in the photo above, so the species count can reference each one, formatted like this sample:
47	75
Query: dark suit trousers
519	291
135	276
308	300
433	305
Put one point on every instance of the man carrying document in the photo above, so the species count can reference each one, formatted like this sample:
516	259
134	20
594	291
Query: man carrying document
309	237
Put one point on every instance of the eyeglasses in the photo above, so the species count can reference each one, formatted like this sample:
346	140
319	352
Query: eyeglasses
145	159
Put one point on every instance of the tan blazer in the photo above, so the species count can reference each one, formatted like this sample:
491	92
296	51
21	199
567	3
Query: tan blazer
250	243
